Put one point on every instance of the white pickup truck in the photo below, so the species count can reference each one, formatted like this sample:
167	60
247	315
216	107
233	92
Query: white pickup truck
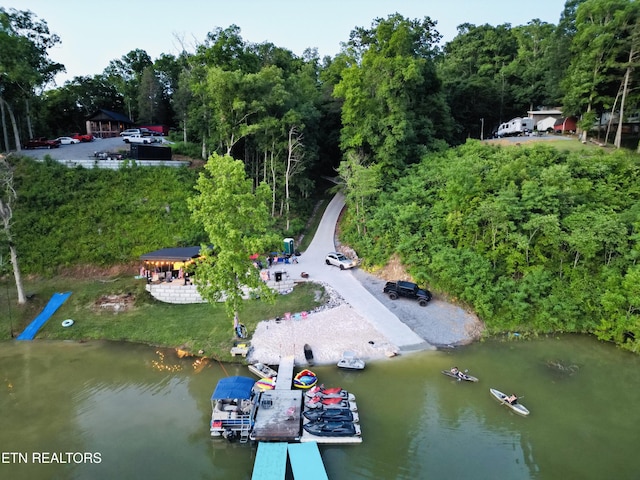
138	138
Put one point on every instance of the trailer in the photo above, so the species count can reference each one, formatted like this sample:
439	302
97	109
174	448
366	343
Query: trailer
515	126
162	130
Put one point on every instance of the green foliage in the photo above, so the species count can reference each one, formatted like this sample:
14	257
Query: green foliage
236	219
187	149
191	327
393	105
67	217
532	238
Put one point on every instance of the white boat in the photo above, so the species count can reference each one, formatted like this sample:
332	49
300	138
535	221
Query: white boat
503	398
350	361
262	370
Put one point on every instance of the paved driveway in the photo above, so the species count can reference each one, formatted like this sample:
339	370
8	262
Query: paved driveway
79	151
346	283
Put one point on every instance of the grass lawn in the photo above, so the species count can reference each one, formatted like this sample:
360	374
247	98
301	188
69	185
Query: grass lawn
191	327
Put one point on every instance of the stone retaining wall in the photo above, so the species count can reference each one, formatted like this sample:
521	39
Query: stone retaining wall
176	292
117	164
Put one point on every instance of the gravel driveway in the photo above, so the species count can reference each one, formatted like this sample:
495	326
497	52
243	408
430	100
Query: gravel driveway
440	323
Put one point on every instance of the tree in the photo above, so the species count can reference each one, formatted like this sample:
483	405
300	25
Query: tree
393	104
8	197
24	63
530	64
474	73
150	98
558	55
68	107
362	183
126	73
602	37
630	28
236	219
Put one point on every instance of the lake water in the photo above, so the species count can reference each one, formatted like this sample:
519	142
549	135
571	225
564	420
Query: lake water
120	411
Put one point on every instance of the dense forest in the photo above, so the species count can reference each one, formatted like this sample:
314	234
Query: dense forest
533	239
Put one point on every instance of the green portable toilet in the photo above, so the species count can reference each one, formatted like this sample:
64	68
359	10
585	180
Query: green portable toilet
288	246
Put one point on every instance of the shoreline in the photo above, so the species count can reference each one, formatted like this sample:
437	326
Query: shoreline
337	327
328	332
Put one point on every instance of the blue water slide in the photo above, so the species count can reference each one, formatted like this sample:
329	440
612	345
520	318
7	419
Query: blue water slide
54	303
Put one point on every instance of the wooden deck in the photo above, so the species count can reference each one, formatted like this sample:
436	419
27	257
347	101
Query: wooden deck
278	417
284	380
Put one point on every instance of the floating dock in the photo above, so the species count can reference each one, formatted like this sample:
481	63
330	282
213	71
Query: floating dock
306	462
278	416
284	380
271	461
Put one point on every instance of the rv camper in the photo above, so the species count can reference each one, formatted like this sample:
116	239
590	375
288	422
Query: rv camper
516	126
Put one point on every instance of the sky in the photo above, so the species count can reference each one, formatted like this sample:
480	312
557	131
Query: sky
94	33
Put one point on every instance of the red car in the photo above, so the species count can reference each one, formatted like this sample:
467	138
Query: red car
41	143
81	137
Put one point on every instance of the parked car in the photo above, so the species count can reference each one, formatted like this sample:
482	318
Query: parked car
67	140
130	131
340	260
407	290
82	137
138	138
41	143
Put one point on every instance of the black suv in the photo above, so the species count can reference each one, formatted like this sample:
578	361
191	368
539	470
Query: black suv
409	290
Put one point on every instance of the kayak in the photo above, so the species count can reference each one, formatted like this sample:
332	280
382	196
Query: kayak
502	398
308	354
333	414
332	429
266	384
459	376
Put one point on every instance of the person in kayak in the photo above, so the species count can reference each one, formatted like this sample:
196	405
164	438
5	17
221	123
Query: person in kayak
455	370
512	399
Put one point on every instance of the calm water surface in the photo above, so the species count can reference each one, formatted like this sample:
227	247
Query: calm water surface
143	413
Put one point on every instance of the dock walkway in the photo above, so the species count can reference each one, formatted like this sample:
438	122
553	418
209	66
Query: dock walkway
305	460
284	380
271	461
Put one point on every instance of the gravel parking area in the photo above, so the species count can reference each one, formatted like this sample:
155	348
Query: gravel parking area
440	323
